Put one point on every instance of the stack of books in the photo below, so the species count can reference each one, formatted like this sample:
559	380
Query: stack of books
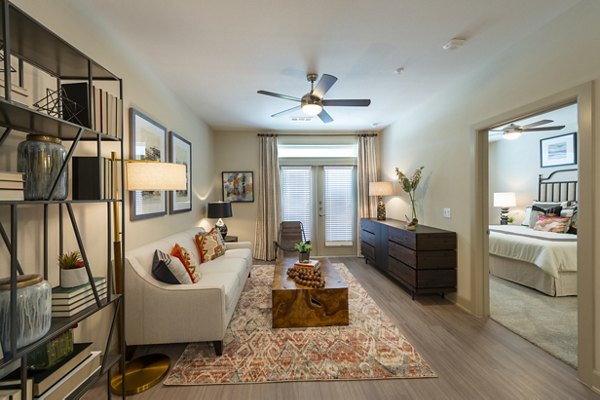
56	382
308	264
11	186
67	302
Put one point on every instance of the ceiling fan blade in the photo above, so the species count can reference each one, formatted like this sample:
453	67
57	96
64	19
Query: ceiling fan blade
325	117
347	102
285	112
547	128
538	123
281	96
324	84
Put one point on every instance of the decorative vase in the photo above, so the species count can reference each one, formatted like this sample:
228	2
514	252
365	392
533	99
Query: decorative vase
34	310
73	277
40	158
303	256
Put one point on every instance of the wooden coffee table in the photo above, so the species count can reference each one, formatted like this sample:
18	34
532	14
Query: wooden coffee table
299	306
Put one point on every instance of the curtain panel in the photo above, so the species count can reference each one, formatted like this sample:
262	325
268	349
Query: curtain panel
267	220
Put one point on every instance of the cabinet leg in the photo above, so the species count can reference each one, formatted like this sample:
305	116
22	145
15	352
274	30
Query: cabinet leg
413	295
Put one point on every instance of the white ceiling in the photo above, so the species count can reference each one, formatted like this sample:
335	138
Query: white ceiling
216	54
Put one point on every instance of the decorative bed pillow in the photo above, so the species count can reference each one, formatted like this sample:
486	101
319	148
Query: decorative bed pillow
210	245
552	224
169	269
540	208
527	217
571	212
184	256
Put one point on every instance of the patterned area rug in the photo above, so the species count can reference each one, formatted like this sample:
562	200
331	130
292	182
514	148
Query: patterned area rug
371	347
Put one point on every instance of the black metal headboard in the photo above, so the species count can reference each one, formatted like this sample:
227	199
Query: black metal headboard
553	188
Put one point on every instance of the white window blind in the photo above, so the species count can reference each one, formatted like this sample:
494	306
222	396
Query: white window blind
339	205
297	196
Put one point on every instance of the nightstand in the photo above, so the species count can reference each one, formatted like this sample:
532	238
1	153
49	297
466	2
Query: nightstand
230	239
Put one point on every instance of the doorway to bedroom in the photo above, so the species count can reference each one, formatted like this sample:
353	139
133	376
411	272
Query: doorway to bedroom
533	187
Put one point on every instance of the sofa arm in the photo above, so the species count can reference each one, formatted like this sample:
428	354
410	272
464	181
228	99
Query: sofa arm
239	245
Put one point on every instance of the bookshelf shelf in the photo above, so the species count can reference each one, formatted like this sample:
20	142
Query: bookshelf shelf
29	41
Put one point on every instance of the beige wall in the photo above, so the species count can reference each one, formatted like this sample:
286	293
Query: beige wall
142	91
562	55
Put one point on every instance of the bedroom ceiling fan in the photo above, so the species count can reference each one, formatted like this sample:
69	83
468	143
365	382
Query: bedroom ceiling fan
312	103
513	131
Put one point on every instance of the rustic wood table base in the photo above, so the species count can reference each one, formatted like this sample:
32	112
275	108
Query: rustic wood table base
298	306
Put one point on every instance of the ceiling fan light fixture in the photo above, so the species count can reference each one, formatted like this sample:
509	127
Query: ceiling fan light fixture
512	134
312	109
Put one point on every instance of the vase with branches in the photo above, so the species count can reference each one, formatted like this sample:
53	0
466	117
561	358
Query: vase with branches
409	185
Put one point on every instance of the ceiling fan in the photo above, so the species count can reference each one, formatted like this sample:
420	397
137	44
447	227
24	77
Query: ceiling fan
513	131
312	103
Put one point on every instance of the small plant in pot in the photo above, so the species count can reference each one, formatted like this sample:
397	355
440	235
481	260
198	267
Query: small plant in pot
303	250
72	270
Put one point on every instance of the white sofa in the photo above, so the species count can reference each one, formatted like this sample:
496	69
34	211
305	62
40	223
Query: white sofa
158	312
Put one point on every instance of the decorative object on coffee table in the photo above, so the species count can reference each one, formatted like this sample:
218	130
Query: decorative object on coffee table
303	249
72	270
409	185
380	189
34	306
220	210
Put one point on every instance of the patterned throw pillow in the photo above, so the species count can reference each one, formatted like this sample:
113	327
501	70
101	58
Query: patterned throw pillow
552	224
210	245
169	269
184	256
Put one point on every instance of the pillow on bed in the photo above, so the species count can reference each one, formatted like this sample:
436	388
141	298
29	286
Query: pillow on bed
552	224
571	212
527	218
543	208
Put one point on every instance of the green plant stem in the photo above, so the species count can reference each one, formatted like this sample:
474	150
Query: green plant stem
412	203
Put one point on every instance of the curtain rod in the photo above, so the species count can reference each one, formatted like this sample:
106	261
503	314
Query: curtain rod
315	134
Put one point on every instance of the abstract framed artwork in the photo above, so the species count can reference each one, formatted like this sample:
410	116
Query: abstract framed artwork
238	186
180	152
148	142
558	150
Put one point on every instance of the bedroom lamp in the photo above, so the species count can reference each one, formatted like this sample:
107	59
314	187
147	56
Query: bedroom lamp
504	200
143	372
380	189
220	210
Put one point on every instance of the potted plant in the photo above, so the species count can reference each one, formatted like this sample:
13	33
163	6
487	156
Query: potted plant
409	185
72	270
303	250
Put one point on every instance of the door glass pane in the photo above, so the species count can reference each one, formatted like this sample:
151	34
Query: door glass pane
297	196
338	197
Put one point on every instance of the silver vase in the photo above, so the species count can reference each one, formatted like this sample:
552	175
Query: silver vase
40	158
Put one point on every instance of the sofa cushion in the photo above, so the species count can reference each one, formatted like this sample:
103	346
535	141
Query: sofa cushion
209	245
184	256
169	269
230	273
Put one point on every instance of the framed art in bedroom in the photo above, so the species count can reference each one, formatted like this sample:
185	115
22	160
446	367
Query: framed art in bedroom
180	152
148	142
558	150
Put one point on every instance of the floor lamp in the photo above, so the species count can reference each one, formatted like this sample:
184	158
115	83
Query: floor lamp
144	372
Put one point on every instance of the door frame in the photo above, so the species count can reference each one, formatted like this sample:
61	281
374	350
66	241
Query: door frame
586	255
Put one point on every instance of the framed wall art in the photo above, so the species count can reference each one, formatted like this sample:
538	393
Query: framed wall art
558	150
238	186
148	142
180	152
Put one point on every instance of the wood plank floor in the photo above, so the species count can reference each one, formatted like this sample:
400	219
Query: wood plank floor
474	359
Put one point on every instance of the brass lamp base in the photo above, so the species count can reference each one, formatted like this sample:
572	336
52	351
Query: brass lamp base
380	209
141	374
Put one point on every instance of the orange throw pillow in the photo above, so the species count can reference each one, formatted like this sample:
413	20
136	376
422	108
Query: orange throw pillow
210	245
184	256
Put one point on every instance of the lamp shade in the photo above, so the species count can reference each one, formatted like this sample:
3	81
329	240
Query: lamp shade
380	189
219	210
150	175
505	199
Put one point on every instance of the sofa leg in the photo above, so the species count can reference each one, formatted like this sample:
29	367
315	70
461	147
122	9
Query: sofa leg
218	347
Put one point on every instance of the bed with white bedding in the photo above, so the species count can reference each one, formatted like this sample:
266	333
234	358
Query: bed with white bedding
546	261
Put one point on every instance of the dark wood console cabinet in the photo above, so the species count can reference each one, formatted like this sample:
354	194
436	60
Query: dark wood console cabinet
424	260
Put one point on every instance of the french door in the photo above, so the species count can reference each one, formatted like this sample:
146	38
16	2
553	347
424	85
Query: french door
324	199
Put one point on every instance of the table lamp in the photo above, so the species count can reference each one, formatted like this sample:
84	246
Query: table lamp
220	209
380	189
504	200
